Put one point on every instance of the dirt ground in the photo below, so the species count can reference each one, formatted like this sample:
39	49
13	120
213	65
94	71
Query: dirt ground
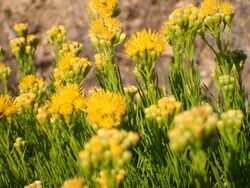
136	15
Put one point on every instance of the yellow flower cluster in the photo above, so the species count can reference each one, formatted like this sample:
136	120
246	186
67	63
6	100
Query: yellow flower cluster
43	115
103	179
26	101
21	29
31	83
103	8
145	45
57	35
7	107
105	109
191	19
4	71
182	20
71	47
36	184
106	32
17	46
231	120
192	127
24	44
100	61
110	147
213	7
167	107
70	69
217	11
31	88
64	102
74	183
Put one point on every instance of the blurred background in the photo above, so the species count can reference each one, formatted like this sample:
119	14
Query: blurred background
41	15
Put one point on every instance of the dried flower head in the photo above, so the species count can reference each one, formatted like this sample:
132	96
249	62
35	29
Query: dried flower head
105	109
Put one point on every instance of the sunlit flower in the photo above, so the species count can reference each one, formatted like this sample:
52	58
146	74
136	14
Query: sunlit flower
182	21
7	107
103	8
145	44
105	29
18	46
210	7
31	83
66	100
105	109
56	35
21	29
71	47
70	69
226	8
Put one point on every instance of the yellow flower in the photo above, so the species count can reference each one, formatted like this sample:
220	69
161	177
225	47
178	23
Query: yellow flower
17	46
66	100
72	47
210	7
42	114
74	183
21	29
4	71
106	29
25	100
182	21
57	34
7	107
144	43
105	109
31	83
226	8
70	69
104	8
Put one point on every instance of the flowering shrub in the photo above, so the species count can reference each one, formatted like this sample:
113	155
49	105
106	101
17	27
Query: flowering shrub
56	133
